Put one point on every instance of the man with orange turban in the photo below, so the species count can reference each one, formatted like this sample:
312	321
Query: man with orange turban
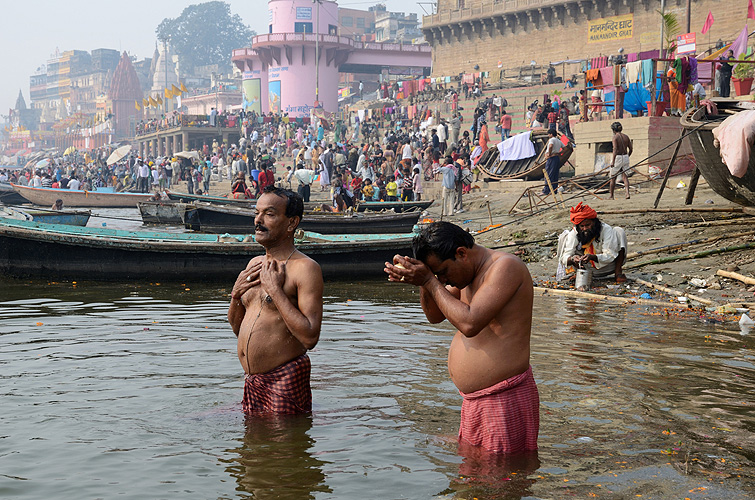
592	243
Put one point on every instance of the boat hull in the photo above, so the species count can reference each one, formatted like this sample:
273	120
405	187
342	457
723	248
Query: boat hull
30	249
708	160
159	212
70	218
9	196
45	197
216	219
373	206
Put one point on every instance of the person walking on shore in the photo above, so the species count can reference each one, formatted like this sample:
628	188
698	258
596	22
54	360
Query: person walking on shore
622	150
552	163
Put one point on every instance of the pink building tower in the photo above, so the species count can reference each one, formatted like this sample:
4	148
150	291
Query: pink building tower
281	70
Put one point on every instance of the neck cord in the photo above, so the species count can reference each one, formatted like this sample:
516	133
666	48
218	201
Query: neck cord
267	299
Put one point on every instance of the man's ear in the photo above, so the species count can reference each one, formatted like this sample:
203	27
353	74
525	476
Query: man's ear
293	223
461	253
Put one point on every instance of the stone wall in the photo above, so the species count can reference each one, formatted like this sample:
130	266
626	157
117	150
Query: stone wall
516	32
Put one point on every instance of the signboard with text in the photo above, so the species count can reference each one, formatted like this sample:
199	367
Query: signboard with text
685	44
610	28
304	13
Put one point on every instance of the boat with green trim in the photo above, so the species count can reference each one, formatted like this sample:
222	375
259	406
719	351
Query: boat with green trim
56	251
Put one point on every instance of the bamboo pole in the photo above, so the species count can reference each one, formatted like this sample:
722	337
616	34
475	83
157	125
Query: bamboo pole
677	246
705	253
610	298
668	169
673	292
736	276
738	210
692	186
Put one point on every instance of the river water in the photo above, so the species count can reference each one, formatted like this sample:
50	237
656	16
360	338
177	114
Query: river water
133	391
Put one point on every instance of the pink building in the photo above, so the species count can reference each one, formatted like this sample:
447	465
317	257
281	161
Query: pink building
280	68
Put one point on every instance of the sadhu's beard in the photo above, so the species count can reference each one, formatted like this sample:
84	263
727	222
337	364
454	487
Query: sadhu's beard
586	237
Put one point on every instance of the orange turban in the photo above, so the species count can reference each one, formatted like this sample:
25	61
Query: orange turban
580	213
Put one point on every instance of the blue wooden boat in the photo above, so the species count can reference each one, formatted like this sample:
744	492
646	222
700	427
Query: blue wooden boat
67	217
54	251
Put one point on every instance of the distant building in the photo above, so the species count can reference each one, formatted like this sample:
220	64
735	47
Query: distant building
396	27
71	82
125	93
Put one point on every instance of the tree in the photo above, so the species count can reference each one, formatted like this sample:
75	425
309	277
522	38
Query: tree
205	34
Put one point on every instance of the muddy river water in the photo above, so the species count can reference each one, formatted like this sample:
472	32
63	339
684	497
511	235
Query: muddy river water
133	391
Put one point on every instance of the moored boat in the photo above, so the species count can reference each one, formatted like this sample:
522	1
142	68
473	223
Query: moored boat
32	249
162	212
9	196
700	124
67	217
528	169
372	206
47	196
210	218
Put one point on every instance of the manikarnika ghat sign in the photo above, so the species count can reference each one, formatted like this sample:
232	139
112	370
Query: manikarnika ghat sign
610	28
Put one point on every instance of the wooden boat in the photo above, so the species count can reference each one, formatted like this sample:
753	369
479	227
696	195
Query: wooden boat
210	218
373	206
9	196
32	249
46	197
527	169
708	158
67	217
162	212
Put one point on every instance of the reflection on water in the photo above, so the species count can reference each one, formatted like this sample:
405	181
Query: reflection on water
133	391
275	459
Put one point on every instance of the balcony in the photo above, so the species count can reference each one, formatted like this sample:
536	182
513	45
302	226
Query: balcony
283	38
487	9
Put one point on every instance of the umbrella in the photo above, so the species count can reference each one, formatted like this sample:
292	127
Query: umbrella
69	150
42	163
118	154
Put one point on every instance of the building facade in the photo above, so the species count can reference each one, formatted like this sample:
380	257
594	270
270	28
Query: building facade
494	34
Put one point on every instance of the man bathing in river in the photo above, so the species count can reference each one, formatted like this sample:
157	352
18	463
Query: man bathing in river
276	310
487	296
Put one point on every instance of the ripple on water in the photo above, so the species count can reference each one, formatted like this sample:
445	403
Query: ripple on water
134	392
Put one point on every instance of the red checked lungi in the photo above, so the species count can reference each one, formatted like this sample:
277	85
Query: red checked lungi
503	418
284	390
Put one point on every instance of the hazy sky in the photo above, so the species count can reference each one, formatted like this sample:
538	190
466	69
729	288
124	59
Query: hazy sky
33	29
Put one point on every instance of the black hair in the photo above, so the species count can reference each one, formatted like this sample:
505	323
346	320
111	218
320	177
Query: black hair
552	132
294	202
441	239
616	127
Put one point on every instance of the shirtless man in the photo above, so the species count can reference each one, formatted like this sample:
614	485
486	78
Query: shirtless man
276	310
622	150
487	296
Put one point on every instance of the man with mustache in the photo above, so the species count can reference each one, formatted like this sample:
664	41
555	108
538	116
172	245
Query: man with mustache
276	311
593	243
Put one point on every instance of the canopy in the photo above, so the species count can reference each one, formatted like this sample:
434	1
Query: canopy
118	154
43	163
69	150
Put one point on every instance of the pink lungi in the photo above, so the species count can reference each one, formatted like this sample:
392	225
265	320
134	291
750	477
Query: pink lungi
503	418
284	390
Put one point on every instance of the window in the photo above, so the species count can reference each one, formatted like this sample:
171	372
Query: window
347	21
459	4
332	29
360	22
302	28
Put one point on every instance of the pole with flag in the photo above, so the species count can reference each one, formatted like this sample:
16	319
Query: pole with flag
750	10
